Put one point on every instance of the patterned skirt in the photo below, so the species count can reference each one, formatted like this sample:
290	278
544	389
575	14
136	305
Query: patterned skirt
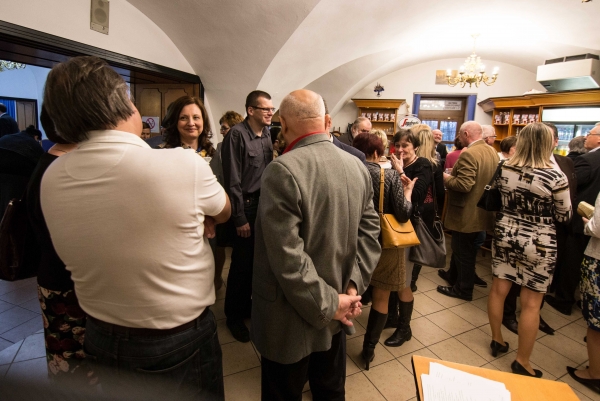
590	291
64	332
390	273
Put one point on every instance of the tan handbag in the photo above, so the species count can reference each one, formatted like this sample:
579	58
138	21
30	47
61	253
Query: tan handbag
393	233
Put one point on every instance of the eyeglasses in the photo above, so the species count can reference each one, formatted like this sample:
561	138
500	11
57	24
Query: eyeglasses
590	134
223	128
265	109
364	131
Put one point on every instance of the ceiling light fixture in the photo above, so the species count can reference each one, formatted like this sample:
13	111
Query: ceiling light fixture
472	71
378	89
10	65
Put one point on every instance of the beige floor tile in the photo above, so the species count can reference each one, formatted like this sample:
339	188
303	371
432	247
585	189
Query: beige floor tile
354	351
424	284
550	360
408	347
445	301
471	314
243	386
478	342
450	322
351	367
581	321
574	331
426	332
433	277
425	305
584	397
454	351
587	392
481	303
507	335
490	366
406	360
575	313
566	347
427	269
225	336
556	321
359	388
238	357
225	274
479	293
359	330
393	380
219	309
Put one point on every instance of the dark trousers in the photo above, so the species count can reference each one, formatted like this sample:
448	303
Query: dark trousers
238	294
568	268
453	271
184	365
325	371
464	255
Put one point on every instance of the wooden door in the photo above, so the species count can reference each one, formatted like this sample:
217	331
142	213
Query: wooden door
26	113
153	99
448	121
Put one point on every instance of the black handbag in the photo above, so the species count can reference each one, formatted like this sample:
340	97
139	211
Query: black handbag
491	200
19	253
432	251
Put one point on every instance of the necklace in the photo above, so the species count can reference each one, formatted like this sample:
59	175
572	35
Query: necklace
412	161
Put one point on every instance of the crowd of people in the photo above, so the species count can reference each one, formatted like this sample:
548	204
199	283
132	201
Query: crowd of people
131	261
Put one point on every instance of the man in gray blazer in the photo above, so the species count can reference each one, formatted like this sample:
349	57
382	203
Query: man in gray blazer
316	248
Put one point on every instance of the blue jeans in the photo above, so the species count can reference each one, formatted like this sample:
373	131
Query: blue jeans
186	365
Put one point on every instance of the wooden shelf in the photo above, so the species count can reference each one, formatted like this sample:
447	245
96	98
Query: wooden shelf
385	106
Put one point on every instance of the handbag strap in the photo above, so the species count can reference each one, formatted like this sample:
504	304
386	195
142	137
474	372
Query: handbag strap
496	174
381	185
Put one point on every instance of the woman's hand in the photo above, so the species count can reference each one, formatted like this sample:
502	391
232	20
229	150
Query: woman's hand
408	183
585	221
397	164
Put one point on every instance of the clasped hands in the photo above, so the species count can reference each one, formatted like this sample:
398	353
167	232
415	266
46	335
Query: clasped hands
349	306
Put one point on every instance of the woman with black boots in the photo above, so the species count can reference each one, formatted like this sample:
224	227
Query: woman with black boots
415	149
389	275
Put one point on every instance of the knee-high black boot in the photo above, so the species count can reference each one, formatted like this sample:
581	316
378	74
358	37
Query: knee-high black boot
393	310
415	276
403	332
374	329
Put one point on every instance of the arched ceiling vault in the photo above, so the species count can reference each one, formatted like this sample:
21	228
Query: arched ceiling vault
335	46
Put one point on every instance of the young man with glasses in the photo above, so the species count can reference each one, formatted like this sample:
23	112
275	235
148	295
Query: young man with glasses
247	150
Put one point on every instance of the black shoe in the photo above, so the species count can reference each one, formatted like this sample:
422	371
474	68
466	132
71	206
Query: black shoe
518	369
545	327
238	330
446	276
374	328
559	306
594	384
403	333
413	286
415	276
497	347
450	292
479	282
511	324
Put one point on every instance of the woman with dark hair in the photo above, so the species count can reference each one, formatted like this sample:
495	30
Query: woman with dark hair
389	275
64	320
507	147
186	125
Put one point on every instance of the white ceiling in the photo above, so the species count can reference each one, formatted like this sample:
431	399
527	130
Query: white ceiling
335	47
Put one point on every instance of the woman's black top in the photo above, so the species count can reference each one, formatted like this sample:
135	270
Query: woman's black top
394	201
52	273
422	194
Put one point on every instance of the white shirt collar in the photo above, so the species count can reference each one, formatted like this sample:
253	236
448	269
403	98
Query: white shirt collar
472	143
593	150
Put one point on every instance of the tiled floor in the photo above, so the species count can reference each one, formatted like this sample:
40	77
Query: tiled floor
443	328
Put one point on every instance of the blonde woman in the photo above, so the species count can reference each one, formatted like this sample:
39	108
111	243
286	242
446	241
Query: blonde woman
383	161
534	197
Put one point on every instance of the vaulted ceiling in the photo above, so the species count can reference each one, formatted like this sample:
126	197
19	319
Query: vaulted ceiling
337	46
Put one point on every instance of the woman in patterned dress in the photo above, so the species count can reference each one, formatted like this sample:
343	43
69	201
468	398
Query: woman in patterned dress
534	197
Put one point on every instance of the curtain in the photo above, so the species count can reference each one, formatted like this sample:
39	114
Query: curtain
416	104
471	103
11	106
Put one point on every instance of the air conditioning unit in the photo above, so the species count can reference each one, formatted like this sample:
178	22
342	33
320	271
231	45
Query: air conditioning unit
570	75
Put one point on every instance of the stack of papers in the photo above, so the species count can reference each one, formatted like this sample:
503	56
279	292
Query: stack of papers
447	384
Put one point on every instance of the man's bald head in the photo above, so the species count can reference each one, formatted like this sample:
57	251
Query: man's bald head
301	112
470	132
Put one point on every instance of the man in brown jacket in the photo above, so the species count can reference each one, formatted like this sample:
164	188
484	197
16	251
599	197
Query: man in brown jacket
471	173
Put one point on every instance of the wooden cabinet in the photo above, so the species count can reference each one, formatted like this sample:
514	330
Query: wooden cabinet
531	105
377	110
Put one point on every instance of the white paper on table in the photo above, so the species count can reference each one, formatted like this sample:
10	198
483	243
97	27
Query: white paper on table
447	384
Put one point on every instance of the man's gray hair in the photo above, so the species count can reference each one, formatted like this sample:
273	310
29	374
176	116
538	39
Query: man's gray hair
488	130
358	121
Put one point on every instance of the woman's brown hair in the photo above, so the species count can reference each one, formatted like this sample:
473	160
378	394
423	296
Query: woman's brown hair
172	137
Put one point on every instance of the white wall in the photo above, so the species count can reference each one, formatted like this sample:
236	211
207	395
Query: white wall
420	78
130	31
27	83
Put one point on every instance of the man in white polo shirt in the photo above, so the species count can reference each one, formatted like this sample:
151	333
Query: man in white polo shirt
105	204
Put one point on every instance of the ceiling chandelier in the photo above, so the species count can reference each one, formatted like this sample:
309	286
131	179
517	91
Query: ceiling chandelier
472	71
378	89
10	65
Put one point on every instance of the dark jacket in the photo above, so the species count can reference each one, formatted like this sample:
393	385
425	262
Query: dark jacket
587	170
350	149
8	125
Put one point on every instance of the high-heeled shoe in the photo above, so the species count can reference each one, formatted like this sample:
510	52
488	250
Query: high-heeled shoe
518	369
374	328
594	384
497	347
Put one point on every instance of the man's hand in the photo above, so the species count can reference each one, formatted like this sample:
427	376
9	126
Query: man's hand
585	221
446	176
345	307
209	227
244	231
355	309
